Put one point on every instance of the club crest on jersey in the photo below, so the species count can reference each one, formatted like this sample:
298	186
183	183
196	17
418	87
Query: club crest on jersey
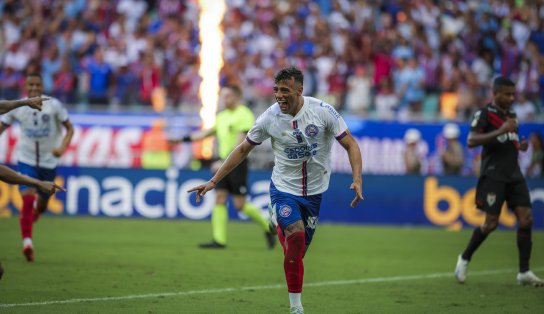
285	211
311	130
46	118
491	198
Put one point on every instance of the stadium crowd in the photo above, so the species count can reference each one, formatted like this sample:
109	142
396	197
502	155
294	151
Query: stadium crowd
405	60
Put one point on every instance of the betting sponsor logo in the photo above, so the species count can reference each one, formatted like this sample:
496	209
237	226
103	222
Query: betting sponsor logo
300	152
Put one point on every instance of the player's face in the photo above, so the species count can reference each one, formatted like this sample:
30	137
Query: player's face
229	97
287	93
34	86
504	96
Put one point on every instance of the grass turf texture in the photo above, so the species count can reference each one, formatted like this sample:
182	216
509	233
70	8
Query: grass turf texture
86	258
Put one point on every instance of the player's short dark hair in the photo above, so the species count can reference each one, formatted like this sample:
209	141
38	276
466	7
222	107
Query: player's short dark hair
235	88
33	74
502	81
288	73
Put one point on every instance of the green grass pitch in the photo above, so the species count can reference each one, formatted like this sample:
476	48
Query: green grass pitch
101	265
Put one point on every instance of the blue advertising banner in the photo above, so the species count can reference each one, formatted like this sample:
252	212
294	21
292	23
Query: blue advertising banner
155	194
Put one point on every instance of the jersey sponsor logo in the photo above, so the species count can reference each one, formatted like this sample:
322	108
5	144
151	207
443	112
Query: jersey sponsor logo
311	222
285	211
311	130
330	109
508	136
35	133
491	198
301	151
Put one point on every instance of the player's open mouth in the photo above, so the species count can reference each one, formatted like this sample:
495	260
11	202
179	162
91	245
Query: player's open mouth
283	105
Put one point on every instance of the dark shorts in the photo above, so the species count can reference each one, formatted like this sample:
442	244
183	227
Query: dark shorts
43	174
236	181
290	208
491	194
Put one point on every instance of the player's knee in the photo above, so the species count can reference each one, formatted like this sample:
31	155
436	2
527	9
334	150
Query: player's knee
526	221
297	226
239	204
489	226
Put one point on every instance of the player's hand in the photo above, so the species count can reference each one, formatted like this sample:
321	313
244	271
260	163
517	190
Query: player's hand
57	152
50	187
523	144
173	142
35	102
358	193
510	125
202	189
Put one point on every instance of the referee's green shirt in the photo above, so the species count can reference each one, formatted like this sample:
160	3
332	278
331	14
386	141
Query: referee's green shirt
229	124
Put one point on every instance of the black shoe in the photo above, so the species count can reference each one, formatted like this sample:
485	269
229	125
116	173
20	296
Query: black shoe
212	245
270	239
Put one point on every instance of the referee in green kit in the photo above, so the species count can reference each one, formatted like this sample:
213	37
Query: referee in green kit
231	127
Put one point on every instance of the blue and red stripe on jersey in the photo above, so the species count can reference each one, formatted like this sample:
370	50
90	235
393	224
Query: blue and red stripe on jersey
341	136
304	178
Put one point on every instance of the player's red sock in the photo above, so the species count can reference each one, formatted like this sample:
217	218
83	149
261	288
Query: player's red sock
26	218
281	239
292	263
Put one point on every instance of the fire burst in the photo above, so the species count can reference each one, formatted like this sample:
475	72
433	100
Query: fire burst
211	61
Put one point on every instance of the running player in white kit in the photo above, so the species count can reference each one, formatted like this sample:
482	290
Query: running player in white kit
301	130
39	147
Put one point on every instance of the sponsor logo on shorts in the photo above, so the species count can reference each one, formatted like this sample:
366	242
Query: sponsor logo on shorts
311	130
491	198
285	211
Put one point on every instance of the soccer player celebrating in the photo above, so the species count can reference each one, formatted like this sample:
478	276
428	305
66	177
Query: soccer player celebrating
302	130
495	127
40	145
231	128
9	176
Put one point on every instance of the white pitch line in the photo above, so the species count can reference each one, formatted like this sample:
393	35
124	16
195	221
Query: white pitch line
265	287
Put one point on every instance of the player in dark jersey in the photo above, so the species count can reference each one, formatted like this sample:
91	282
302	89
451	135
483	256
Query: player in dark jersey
495	127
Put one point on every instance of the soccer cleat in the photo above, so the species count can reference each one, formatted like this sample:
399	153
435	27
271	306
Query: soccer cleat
270	239
461	269
272	223
28	252
529	278
297	310
212	245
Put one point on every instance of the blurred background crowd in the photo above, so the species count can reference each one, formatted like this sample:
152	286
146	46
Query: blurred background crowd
407	60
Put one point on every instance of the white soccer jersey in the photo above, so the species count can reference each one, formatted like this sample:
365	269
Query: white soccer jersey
41	132
301	144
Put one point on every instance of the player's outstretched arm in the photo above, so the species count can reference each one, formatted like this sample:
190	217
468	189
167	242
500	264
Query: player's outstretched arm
196	136
356	162
238	155
34	102
57	152
9	176
476	139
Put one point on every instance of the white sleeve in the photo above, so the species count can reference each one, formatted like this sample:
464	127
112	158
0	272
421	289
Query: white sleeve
9	117
62	113
259	131
335	124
